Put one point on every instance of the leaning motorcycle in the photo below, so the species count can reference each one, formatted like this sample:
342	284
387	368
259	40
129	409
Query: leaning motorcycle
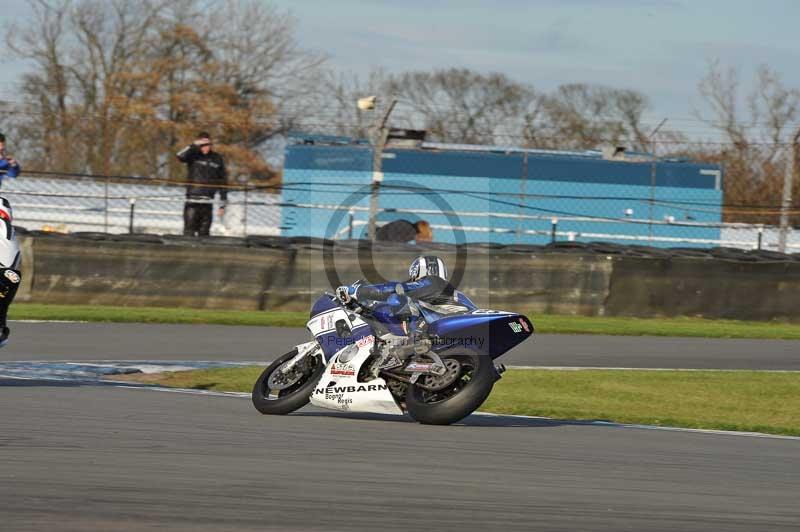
433	362
10	259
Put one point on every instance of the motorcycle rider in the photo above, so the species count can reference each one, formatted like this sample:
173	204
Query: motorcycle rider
427	282
427	285
10	276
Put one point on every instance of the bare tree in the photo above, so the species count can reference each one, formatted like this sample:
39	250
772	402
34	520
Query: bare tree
756	140
582	116
127	82
259	58
334	110
45	94
460	105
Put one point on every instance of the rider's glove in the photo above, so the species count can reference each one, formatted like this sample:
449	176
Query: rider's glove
343	294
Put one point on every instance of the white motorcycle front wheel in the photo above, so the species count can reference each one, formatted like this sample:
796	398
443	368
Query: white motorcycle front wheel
278	392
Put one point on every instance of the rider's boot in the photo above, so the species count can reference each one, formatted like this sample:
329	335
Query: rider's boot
9	284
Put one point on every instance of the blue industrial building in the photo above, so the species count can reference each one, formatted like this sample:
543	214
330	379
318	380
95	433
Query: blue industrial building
501	195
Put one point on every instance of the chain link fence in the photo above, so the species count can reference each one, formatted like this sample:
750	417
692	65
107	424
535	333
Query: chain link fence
497	195
108	205
505	195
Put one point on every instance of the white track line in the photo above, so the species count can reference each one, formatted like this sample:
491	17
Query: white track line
241	395
48	321
589	368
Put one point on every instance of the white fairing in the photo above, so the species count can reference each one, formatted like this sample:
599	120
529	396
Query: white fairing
326	322
9	247
339	389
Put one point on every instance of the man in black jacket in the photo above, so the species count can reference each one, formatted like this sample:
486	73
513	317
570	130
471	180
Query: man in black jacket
206	175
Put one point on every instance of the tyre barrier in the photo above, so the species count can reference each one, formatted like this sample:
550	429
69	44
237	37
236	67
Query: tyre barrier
275	273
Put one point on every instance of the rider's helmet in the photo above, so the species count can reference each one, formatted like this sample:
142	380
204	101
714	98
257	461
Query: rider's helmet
425	266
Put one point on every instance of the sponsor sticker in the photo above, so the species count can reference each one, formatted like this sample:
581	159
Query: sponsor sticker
418	367
516	327
367	340
326	322
12	276
335	392
342	369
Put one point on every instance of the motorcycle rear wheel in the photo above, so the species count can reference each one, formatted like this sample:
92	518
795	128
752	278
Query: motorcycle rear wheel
465	395
294	397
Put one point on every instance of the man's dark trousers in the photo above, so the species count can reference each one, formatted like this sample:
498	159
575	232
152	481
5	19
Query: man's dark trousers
197	218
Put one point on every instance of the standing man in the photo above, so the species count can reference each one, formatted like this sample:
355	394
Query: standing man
10	275
206	174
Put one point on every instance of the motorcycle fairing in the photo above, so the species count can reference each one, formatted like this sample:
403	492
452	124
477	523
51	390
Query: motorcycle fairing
10	256
333	329
339	388
487	332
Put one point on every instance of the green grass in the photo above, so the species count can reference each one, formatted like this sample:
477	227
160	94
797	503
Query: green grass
693	327
766	402
36	311
687	327
736	400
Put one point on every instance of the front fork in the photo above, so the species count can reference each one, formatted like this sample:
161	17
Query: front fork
303	350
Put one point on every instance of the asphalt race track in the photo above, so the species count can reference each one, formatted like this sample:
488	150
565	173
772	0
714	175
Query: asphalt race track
131	341
102	458
99	457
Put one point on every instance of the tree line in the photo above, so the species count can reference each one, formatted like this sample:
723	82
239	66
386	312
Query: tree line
116	87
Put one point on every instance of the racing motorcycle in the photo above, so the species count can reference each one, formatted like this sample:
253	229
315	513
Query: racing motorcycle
433	362
10	259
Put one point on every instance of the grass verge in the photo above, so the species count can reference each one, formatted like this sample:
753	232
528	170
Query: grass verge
36	311
738	400
687	327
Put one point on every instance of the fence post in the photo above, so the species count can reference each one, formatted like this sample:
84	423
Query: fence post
105	210
653	179
244	220
133	209
554	223
786	200
760	236
381	136
350	223
522	198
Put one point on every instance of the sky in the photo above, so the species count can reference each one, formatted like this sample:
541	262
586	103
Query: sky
659	47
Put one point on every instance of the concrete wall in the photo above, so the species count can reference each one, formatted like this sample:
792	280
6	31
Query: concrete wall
191	273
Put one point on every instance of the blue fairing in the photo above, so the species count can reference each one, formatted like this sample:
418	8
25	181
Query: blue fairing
322	304
488	333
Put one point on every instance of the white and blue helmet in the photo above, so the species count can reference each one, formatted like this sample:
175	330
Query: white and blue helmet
425	266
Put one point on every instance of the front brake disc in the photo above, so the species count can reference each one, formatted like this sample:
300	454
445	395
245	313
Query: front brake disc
435	383
278	380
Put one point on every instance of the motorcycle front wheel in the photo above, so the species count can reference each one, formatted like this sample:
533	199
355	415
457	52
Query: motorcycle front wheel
278	393
466	385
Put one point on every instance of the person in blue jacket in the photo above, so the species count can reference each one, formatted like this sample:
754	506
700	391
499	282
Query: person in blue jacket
10	275
8	166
